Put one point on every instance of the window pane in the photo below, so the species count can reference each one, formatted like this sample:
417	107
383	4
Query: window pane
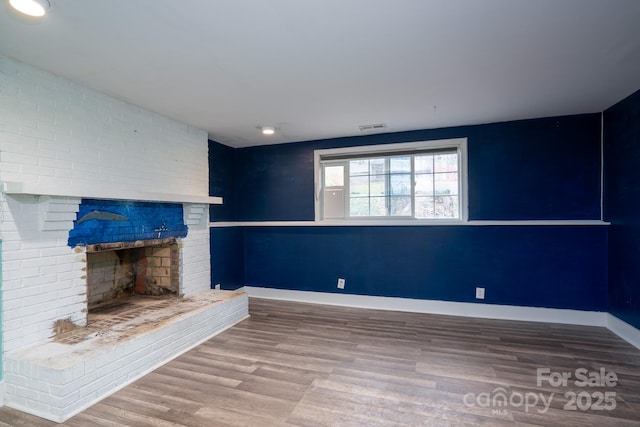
378	185
424	164
334	176
358	167
424	185
377	166
400	164
446	183
400	184
424	207
446	207
420	184
359	206
400	206
445	162
359	186
334	203
378	206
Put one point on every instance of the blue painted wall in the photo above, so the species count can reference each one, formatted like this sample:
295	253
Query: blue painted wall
560	267
622	206
222	167
534	169
227	251
135	221
227	257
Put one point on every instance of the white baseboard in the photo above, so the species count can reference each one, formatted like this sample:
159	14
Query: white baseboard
1	392
488	311
623	330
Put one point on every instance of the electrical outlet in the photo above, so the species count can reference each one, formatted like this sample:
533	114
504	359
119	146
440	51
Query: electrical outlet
341	283
479	293
217	286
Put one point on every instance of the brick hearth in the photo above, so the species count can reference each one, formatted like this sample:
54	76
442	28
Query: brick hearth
59	379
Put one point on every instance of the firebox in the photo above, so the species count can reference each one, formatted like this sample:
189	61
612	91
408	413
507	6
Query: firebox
123	269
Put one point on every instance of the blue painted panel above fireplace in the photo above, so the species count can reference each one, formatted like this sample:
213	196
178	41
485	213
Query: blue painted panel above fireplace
108	221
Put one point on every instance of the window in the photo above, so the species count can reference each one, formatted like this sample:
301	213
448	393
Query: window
420	180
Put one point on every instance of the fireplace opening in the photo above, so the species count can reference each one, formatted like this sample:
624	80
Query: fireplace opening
118	271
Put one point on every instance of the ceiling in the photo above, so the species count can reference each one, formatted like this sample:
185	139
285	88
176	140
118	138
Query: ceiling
320	69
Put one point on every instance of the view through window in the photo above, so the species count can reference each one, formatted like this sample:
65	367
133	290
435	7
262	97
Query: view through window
402	181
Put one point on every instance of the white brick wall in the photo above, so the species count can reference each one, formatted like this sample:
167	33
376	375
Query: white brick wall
196	266
58	136
196	252
43	278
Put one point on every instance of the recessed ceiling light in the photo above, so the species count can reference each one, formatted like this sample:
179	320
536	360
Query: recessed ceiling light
268	130
34	8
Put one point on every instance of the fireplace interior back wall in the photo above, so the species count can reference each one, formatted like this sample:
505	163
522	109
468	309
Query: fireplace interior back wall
115	274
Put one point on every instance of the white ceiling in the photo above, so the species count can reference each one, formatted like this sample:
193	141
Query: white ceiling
319	69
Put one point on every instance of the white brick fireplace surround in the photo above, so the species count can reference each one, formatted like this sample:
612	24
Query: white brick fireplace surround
59	143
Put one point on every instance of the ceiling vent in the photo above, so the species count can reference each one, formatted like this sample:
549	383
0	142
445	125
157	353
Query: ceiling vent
377	128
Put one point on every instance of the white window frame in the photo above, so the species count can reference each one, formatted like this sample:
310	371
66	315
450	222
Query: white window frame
458	144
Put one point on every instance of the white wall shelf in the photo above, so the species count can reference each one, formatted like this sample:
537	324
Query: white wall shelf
408	223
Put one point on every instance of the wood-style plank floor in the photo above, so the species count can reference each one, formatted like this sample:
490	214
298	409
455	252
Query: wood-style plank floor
295	364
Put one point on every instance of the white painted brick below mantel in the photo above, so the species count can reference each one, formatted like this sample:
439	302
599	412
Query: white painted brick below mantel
43	278
58	213
196	215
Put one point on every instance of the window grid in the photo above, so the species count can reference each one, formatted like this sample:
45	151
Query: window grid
424	180
383	190
407	186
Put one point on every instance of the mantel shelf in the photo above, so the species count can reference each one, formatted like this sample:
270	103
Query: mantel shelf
23	188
